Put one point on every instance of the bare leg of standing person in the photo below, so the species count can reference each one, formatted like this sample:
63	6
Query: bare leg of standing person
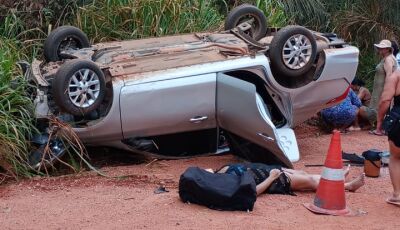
394	170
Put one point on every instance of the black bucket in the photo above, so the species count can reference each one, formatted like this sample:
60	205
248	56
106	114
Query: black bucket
372	162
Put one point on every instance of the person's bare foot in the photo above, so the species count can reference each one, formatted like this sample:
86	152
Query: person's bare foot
355	184
376	132
395	199
346	171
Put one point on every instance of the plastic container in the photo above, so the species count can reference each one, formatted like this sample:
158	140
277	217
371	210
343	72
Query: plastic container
372	163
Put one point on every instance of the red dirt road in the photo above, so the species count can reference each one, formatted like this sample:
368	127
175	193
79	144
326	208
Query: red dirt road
87	201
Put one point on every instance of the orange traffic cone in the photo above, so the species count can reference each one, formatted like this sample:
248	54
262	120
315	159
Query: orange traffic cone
330	196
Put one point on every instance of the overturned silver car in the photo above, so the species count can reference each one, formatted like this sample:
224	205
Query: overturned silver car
187	95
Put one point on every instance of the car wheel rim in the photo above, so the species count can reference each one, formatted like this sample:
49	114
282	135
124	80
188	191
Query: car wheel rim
297	51
84	88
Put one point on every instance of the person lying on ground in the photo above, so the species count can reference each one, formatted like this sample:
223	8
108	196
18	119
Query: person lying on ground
274	179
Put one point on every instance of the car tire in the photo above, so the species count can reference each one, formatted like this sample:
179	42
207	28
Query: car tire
244	12
284	43
73	92
62	38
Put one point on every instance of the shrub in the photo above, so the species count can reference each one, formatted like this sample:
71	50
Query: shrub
16	122
113	19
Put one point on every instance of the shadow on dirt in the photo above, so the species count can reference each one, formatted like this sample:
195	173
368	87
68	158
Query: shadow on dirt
110	157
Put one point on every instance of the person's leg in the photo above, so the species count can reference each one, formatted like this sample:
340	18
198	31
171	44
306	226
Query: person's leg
301	182
368	115
355	184
346	171
372	115
294	171
362	113
362	119
394	170
355	125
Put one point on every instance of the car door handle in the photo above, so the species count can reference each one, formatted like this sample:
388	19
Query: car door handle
266	137
198	119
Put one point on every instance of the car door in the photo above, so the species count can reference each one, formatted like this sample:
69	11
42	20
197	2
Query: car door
170	106
241	111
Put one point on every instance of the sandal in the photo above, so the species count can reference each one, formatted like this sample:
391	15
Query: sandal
394	202
374	132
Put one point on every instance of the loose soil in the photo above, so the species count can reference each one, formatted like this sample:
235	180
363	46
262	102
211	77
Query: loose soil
88	201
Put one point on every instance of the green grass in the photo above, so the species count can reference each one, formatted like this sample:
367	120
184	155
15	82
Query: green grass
16	122
11	26
366	67
274	10
128	19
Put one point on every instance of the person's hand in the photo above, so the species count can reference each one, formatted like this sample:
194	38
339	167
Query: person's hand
275	173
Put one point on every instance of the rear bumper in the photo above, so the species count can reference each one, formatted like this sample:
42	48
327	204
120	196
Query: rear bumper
33	75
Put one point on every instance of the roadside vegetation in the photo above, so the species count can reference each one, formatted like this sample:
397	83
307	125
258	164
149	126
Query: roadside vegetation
25	24
15	114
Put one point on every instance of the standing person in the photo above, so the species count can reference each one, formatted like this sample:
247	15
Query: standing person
363	93
392	91
384	69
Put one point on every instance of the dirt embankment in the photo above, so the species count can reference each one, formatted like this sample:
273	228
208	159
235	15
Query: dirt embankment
87	201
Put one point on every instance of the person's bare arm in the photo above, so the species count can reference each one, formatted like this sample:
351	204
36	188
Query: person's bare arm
361	94
388	66
365	94
273	175
388	93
